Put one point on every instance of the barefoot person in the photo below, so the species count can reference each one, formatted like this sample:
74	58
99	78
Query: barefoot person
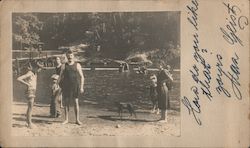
30	80
71	81
164	81
58	71
56	97
153	94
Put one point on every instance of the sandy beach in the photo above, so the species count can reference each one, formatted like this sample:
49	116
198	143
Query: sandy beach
97	110
96	122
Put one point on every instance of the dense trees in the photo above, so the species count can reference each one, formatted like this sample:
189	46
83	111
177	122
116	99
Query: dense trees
26	29
115	35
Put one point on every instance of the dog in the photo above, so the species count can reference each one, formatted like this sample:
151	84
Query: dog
121	106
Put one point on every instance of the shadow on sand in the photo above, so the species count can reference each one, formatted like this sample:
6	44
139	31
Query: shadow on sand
35	119
117	118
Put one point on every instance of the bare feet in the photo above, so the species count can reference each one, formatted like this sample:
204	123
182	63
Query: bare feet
163	120
158	112
78	122
152	111
65	122
31	125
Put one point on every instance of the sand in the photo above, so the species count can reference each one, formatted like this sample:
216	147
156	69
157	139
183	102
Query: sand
96	122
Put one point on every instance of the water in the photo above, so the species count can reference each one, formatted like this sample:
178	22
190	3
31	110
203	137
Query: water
104	87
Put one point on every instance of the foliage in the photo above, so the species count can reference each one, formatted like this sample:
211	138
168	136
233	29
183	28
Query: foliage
115	35
26	29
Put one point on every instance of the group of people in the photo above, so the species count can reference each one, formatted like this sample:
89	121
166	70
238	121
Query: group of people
68	82
124	67
67	86
159	91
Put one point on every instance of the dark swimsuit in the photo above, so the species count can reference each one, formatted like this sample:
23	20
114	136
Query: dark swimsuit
163	90
58	70
71	82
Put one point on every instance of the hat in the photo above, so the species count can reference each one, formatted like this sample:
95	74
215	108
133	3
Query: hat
153	77
55	77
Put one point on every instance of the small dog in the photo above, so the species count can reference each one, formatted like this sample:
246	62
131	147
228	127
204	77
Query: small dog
121	106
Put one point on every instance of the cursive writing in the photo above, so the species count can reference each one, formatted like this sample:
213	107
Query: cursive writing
234	23
204	84
193	108
233	76
200	70
192	10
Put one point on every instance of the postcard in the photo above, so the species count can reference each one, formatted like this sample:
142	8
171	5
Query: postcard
124	73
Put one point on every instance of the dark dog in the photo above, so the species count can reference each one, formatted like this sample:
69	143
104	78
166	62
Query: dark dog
121	106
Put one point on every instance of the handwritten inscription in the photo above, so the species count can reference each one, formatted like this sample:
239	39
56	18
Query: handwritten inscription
234	23
233	76
205	71
200	71
193	14
227	82
193	108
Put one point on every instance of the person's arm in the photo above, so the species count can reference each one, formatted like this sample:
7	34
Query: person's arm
169	75
55	89
79	68
23	77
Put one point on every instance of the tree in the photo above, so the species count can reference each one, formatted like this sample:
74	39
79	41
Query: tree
25	31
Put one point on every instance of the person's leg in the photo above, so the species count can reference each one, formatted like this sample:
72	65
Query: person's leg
157	107
61	101
158	111
57	106
76	107
154	106
29	112
51	107
163	116
66	109
163	113
164	106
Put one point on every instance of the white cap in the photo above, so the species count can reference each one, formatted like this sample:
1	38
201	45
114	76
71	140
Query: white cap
55	77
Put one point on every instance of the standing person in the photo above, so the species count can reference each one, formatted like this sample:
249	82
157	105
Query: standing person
121	67
164	81
56	96
58	65
30	80
58	71
153	94
56	100
71	81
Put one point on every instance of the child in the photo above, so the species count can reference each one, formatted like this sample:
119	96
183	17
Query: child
58	71
153	93
30	80
56	97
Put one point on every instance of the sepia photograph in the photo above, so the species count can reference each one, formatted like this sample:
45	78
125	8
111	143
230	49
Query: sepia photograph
124	73
96	73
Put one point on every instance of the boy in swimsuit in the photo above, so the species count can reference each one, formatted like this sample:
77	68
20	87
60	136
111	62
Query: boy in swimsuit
30	80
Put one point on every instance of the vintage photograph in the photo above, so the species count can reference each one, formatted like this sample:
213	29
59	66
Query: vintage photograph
96	73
